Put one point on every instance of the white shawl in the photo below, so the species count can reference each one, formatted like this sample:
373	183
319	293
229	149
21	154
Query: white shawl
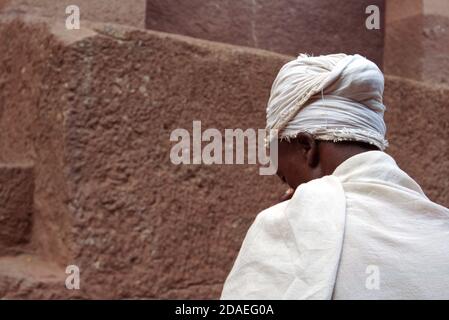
368	221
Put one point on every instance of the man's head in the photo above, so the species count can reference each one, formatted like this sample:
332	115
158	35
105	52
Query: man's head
304	158
325	109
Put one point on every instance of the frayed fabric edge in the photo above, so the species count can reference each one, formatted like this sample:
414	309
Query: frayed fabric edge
345	134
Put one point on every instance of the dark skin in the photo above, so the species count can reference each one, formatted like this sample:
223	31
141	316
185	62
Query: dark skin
304	159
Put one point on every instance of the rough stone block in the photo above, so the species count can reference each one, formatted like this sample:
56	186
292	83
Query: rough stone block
16	204
284	26
417	40
129	12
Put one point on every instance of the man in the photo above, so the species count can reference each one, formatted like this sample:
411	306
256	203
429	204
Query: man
356	226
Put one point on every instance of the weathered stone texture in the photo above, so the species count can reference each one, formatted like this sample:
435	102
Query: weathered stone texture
417	40
32	122
129	12
136	224
16	205
418	129
285	26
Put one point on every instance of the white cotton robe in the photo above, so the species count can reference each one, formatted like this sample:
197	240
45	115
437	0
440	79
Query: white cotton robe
365	232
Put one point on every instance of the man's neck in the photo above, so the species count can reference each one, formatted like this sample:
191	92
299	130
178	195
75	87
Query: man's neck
333	154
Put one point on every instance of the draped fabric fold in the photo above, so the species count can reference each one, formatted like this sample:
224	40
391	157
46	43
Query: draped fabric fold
290	251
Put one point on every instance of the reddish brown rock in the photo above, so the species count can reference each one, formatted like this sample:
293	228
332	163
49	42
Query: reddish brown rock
96	118
33	127
417	40
418	121
26	276
129	12
16	205
285	26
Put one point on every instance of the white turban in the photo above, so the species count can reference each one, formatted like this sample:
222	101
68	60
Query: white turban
335	97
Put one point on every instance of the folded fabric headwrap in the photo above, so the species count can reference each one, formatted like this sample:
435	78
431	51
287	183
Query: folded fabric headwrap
335	97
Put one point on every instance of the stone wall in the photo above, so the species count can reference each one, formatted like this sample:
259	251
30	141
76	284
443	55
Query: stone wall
285	26
417	40
129	12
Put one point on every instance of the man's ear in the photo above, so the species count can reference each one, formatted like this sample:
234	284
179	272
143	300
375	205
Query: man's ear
309	147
